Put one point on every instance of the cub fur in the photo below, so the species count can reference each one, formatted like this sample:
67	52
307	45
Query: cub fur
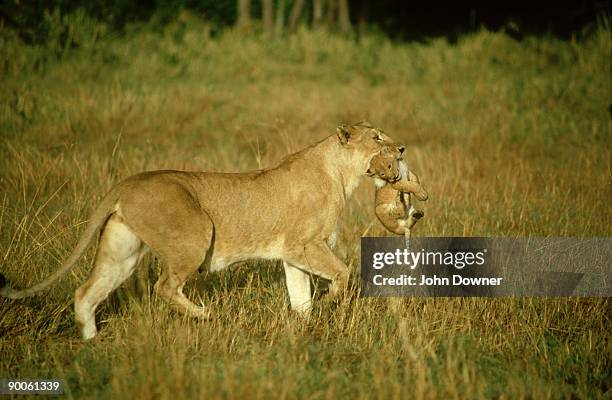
394	185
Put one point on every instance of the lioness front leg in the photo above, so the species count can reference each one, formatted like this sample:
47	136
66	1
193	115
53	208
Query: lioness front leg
318	259
298	286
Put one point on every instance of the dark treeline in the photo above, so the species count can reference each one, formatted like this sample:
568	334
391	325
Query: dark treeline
398	19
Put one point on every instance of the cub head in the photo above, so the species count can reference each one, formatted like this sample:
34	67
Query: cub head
363	142
386	164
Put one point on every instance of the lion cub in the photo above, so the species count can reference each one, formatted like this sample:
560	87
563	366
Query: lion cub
394	185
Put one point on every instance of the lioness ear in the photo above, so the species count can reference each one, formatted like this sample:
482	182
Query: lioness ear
344	134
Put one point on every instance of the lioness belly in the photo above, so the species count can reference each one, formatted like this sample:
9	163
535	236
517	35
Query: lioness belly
225	255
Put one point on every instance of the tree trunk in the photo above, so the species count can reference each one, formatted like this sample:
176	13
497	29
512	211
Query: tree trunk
244	13
267	16
295	14
363	17
343	16
317	13
330	14
280	18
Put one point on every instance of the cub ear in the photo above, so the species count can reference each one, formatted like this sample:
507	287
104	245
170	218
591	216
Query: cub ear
344	134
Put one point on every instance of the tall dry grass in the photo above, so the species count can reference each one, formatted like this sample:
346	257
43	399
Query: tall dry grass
511	139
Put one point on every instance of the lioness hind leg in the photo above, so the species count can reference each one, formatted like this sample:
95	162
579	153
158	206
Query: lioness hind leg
170	288
117	255
298	286
182	258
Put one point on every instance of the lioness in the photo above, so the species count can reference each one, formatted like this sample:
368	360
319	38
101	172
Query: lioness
286	212
394	185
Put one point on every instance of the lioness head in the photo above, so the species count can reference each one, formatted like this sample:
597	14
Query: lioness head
364	142
386	164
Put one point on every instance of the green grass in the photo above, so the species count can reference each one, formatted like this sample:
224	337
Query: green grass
510	139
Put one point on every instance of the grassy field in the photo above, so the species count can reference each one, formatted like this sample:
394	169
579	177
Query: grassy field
510	138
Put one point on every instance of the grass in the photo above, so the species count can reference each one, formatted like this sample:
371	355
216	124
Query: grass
510	139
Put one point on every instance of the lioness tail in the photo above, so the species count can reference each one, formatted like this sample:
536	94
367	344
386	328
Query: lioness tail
98	218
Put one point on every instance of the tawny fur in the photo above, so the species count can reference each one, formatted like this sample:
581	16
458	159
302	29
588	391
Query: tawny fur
189	219
394	185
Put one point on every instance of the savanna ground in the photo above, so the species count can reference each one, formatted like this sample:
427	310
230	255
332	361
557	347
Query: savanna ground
510	138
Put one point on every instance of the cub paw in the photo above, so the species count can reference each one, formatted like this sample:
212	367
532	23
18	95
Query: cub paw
418	214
